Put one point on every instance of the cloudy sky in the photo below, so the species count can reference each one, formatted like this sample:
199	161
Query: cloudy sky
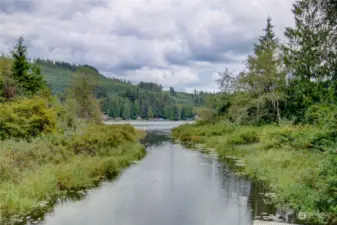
179	43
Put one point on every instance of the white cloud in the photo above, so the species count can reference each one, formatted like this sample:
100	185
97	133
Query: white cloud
144	39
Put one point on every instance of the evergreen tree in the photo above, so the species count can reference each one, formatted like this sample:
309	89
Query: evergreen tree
126	111
136	108
144	109
117	109
310	55
186	112
28	77
172	91
260	86
149	113
178	112
172	113
167	112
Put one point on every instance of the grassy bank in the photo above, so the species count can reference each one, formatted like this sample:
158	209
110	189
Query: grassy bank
48	167
297	162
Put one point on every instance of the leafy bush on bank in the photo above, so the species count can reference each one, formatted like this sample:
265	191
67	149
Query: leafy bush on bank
26	118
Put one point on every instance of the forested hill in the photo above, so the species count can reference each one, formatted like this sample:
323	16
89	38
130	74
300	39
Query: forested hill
121	98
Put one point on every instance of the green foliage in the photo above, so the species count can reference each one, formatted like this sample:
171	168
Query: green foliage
8	89
150	86
206	114
322	115
310	56
51	165
263	94
328	176
172	91
149	113
26	118
80	98
136	108
113	93
27	76
126	111
288	158
258	89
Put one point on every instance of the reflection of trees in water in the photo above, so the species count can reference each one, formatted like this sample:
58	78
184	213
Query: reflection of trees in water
262	205
256	200
156	138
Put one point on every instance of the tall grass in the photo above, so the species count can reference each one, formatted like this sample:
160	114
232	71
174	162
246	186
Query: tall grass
50	166
296	161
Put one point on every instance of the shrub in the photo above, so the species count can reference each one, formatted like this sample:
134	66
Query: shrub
245	135
26	119
102	137
328	200
322	115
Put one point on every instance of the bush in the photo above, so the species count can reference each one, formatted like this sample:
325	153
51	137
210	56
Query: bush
243	136
328	200
322	115
26	119
102	138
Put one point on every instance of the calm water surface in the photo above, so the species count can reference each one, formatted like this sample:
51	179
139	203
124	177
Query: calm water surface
170	186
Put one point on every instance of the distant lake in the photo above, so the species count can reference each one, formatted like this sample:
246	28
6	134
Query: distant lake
152	125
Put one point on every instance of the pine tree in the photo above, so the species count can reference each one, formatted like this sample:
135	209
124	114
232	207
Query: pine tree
149	113
172	113
136	108
126	111
260	85
311	53
28	77
117	107
172	91
167	112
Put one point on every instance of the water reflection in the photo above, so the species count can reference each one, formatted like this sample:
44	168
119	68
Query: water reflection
155	139
170	186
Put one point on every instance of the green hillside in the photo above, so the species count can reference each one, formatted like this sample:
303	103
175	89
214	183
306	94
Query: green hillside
121	98
59	75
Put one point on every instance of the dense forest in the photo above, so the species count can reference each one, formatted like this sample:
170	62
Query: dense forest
121	99
279	115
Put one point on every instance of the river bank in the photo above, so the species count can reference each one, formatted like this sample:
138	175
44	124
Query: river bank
171	185
35	174
288	158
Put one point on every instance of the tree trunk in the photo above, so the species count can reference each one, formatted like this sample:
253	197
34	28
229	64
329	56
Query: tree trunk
278	111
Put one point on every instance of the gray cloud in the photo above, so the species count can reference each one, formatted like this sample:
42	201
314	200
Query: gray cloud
144	39
14	6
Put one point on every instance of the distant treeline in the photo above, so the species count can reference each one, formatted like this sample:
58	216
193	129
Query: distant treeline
120	98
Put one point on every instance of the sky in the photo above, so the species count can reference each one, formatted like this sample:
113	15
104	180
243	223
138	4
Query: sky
179	43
